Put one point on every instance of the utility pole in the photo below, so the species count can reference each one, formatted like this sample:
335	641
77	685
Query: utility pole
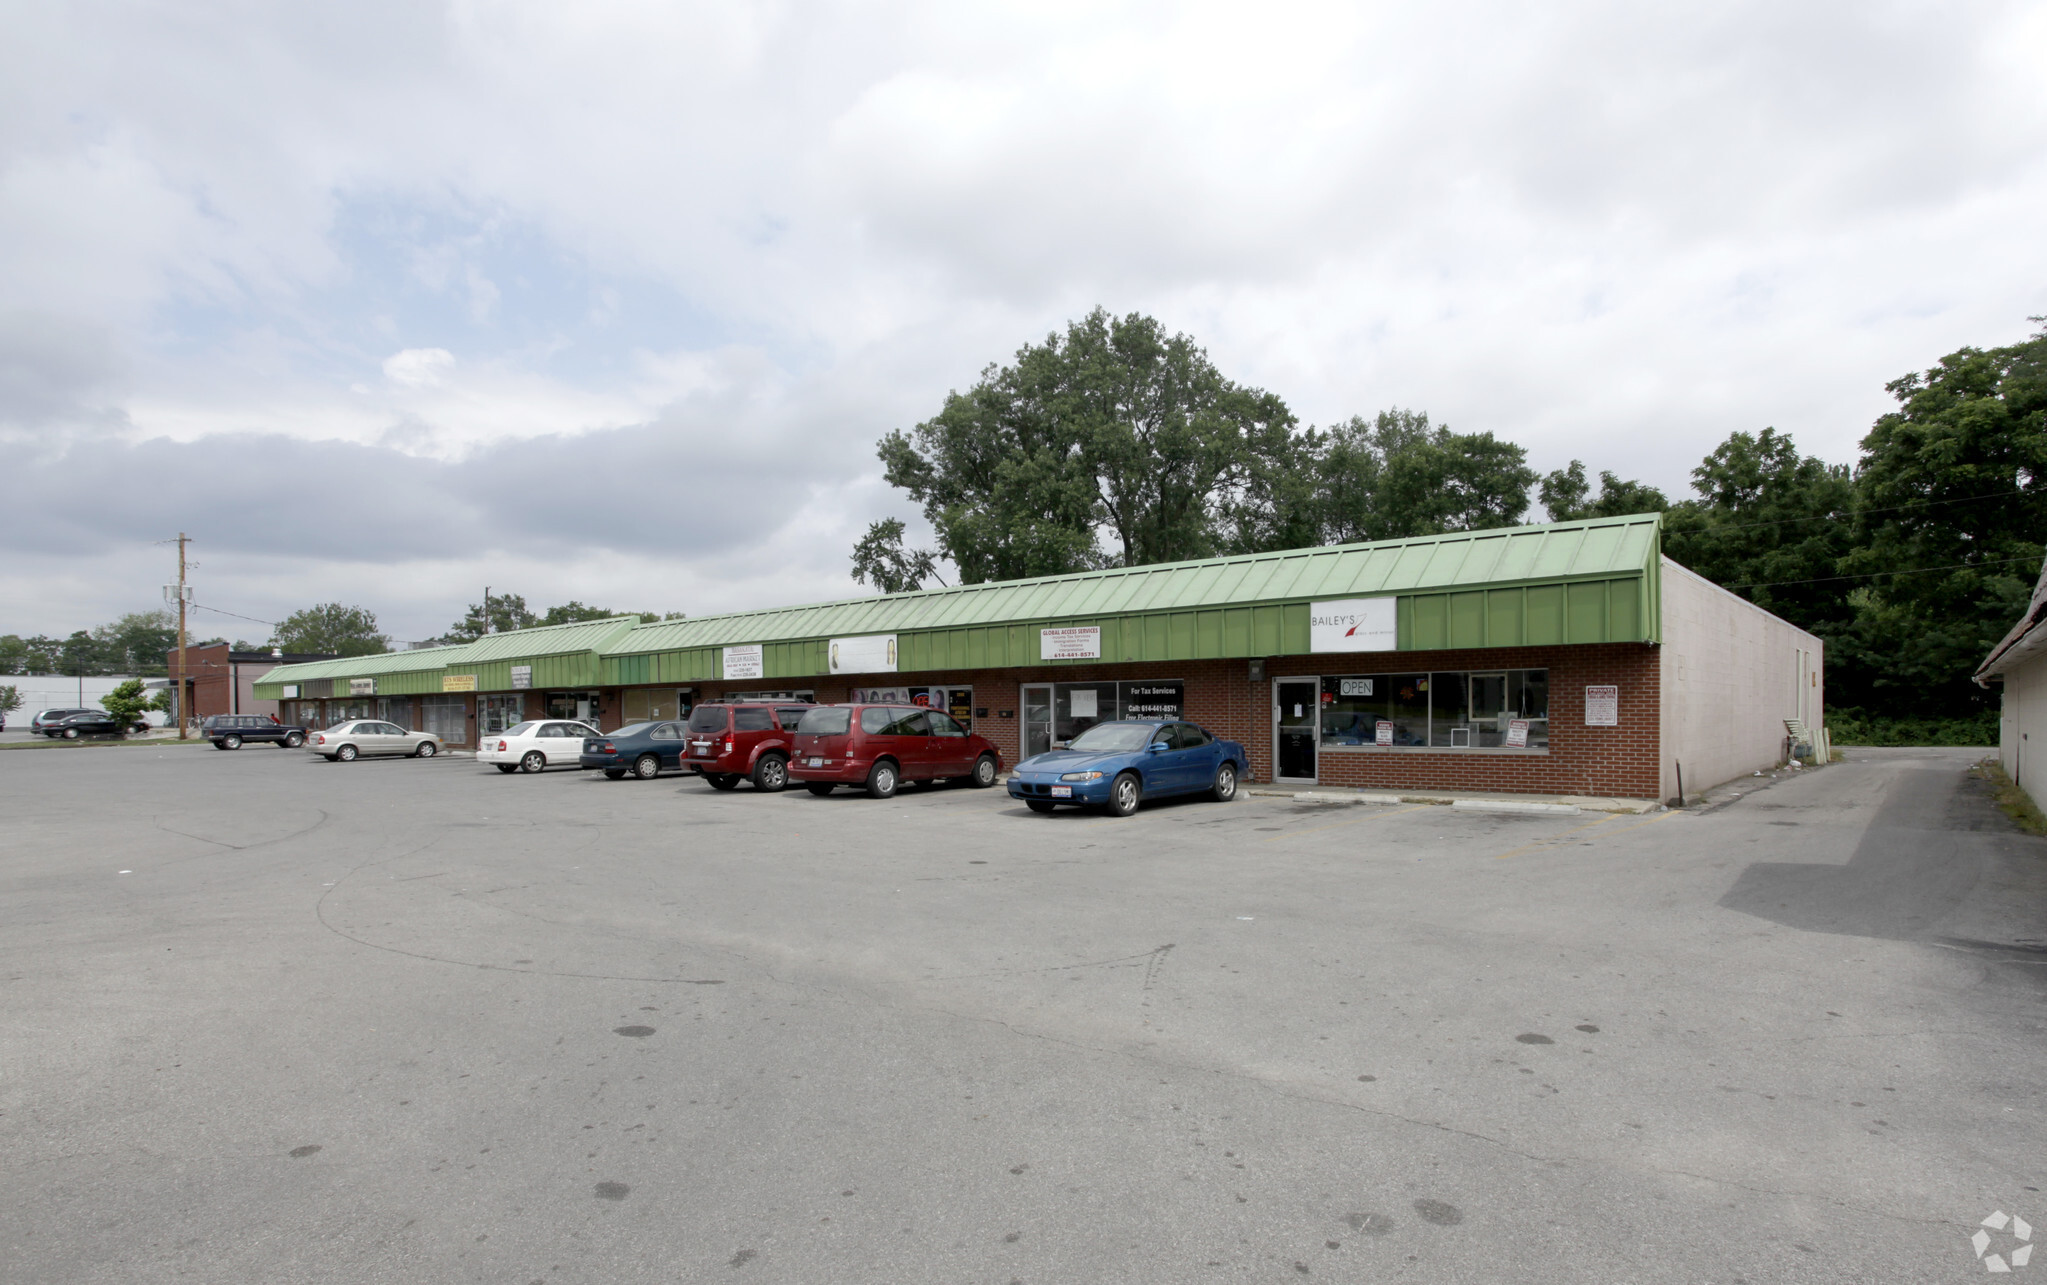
486	609
182	720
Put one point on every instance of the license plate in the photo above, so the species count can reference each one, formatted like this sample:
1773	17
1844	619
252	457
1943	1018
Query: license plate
1062	791
817	762
701	747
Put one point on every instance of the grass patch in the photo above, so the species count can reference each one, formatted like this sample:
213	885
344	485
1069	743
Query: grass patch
1858	727
2011	800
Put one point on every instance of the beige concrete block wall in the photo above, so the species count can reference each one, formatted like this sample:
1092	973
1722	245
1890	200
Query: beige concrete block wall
1731	674
2024	716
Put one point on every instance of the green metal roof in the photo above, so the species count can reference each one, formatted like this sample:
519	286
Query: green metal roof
1566	582
1596	549
547	640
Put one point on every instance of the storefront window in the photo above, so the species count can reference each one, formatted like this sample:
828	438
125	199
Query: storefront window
446	717
395	709
653	704
1474	709
579	707
494	714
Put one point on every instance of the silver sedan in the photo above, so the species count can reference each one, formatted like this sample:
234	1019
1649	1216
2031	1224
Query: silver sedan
345	742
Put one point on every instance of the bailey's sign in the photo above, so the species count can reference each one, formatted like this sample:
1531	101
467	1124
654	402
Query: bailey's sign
1352	624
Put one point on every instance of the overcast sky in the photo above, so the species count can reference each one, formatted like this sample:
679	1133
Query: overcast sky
386	302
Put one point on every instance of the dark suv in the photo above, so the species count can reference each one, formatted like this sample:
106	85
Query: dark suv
725	743
232	731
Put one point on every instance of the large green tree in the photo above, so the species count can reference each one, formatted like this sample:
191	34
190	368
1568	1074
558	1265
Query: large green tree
331	628
506	612
1953	485
139	642
1769	524
1115	427
881	559
1567	496
1397	475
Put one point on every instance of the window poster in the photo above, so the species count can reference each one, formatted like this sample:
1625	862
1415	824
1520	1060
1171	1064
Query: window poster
1603	706
1517	733
1154	700
1355	686
956	701
742	662
1083	703
1382	733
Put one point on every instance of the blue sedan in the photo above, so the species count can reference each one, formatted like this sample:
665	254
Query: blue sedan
1117	765
638	749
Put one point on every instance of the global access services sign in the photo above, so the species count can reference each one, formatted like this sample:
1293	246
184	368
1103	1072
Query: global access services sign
1352	624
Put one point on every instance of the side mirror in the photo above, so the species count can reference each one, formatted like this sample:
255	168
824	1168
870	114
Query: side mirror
1156	746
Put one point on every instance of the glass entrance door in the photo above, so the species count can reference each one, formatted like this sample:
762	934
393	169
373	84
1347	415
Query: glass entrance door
1297	727
1037	720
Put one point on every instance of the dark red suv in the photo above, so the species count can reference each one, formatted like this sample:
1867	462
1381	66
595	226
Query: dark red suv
726	743
880	746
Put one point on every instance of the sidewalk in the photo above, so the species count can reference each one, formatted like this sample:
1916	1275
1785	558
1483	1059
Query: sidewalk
1474	801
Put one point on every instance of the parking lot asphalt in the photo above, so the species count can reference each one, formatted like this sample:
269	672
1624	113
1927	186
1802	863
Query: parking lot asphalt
266	1018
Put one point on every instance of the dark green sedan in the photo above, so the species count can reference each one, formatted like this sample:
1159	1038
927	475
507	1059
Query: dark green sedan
637	749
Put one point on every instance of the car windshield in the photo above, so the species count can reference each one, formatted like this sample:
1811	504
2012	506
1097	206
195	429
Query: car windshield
630	729
1105	738
826	721
520	729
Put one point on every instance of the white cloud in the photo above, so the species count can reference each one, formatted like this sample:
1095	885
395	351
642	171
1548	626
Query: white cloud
1617	232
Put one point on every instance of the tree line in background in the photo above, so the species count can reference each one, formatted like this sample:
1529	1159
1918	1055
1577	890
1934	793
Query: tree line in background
1118	444
137	643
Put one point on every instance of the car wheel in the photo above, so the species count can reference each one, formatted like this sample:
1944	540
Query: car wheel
70	733
506	768
984	772
293	741
426	750
647	766
217	745
1039	805
1124	794
533	762
722	780
881	781
230	742
771	774
1225	787
610	773
819	788
346	754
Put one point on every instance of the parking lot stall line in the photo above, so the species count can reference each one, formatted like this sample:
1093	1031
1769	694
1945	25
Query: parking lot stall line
1370	816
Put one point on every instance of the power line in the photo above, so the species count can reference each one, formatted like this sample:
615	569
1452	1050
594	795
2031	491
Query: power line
218	612
1952	566
1836	517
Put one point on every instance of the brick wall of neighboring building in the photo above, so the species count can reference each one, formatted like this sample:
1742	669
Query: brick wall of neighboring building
1620	761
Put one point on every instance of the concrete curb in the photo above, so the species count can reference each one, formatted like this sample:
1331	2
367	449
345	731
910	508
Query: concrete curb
1503	805
1553	805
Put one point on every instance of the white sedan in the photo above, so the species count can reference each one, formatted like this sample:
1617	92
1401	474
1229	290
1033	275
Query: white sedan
360	737
535	746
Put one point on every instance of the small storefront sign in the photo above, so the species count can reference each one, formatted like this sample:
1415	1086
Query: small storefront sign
291	691
1352	624
522	677
1602	706
1382	733
458	682
1074	642
362	687
743	662
875	654
1517	733
1354	686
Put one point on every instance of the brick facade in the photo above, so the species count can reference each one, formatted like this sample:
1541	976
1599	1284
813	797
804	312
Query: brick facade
1618	761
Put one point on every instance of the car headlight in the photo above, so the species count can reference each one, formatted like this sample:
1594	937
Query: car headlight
1081	776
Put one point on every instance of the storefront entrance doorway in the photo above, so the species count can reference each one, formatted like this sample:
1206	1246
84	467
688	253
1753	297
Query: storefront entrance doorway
1297	720
1037	720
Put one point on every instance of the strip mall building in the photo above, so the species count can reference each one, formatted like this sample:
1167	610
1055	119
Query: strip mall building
1570	659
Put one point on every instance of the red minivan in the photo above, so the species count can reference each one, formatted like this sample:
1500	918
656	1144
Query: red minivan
880	746
727	743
